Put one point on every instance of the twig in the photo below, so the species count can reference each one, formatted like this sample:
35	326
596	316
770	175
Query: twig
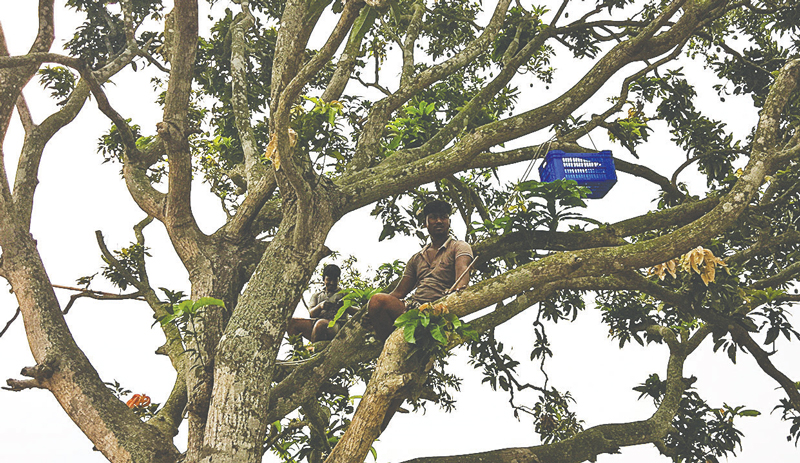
98	293
132	280
376	85
16	314
102	297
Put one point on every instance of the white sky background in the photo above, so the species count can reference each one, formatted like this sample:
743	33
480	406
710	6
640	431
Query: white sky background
78	195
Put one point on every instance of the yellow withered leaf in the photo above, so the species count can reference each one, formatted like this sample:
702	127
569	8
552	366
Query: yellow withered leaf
272	149
272	153
661	270
439	309
703	262
699	260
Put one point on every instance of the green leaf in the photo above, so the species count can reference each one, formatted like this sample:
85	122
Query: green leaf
436	332
424	320
362	24
411	315
749	413
408	332
206	301
340	313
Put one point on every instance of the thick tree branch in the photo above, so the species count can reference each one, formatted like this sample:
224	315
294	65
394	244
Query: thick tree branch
302	383
780	278
242	23
24	114
407	46
597	261
174	129
289	94
347	62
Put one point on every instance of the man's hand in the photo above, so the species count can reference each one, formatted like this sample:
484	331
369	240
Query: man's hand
316	311
455	290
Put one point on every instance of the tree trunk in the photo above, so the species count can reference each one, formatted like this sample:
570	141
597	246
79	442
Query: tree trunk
245	359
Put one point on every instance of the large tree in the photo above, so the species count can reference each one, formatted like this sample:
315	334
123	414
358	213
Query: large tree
393	103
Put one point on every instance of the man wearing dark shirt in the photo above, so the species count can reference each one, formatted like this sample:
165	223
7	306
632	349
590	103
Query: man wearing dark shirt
324	305
432	271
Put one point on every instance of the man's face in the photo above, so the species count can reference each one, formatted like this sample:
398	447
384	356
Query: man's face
331	284
438	224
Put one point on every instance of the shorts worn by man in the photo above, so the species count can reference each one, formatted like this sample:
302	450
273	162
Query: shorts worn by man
324	305
432	271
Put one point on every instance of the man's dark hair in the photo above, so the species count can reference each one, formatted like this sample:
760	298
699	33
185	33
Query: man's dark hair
437	206
331	270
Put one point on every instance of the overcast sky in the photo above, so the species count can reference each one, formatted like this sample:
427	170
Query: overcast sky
78	194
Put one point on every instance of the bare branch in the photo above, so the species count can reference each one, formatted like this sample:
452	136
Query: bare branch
560	11
38	374
8	325
101	297
375	85
22	384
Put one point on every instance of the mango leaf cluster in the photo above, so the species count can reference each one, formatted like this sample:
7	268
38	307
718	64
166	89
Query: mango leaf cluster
432	329
553	420
102	34
131	259
701	433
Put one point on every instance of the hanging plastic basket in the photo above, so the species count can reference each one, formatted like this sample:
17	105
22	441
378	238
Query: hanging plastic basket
593	170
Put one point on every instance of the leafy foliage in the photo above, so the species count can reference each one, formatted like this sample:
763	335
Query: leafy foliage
130	259
701	433
554	421
432	329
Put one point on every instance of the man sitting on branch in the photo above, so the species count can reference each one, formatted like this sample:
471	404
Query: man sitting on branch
324	305
432	271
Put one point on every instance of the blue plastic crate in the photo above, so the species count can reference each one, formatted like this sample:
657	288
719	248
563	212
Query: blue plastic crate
593	170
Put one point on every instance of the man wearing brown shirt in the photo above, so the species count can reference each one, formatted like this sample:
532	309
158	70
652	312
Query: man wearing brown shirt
432	271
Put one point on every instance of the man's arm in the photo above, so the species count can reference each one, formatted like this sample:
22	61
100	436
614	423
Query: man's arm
405	286
462	266
316	311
